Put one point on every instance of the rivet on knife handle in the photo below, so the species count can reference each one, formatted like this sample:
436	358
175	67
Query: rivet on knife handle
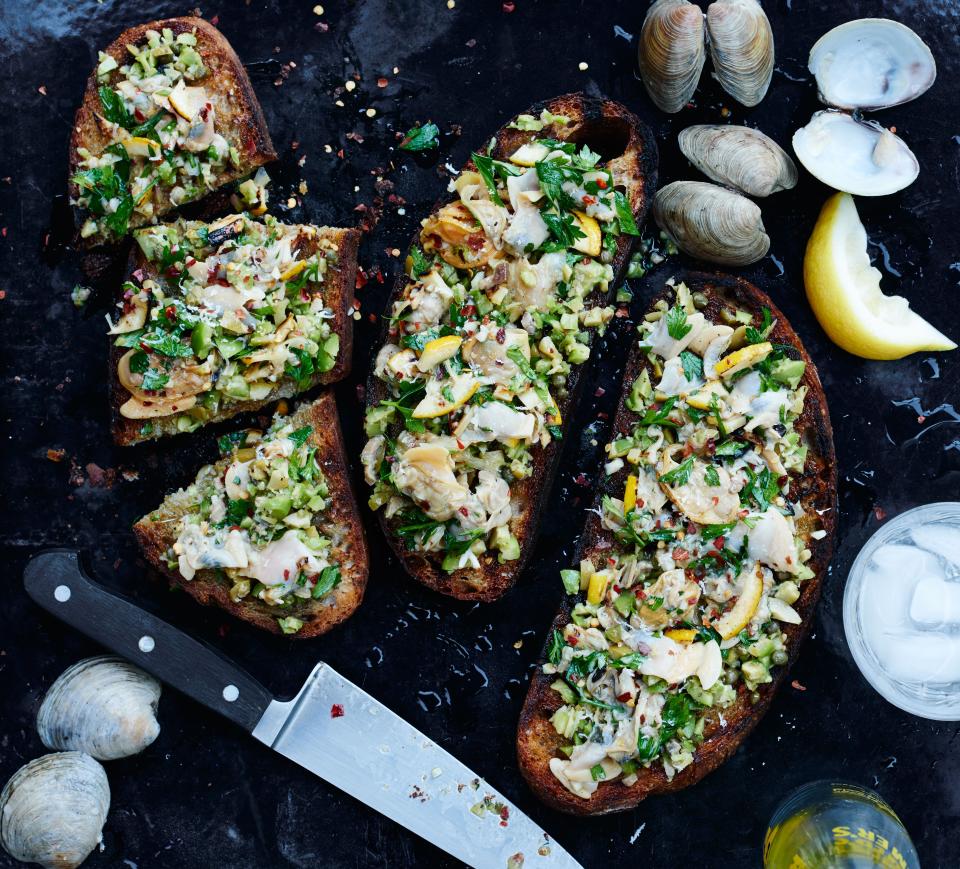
58	583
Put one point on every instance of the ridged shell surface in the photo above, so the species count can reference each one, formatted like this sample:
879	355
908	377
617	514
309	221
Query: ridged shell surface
52	810
711	222
671	53
741	46
103	706
739	157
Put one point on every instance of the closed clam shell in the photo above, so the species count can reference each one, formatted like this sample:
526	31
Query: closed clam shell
103	706
711	222
741	47
53	809
671	52
739	157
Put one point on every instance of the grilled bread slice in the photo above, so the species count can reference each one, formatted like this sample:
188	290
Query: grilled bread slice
693	737
291	520
481	360
167	116
221	318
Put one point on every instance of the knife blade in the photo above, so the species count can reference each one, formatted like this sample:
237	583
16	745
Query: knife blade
331	727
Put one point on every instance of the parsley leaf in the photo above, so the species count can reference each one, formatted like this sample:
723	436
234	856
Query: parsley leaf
711	476
692	365
660	415
419	262
489	169
758	336
167	344
628	225
237	510
563	229
304	370
525	368
551	174
761	488
154	379
677	325
328	580
299	437
421	138
680	475
113	108
555	647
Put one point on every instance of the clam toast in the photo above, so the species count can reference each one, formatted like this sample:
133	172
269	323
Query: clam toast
487	335
216	319
701	562
271	531
167	116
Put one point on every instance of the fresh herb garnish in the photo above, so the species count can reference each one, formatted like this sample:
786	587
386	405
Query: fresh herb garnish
563	230
711	476
692	365
300	435
677	325
235	440
328	580
628	225
758	336
680	475
113	108
421	138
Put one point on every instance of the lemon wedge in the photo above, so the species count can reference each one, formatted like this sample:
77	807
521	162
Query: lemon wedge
844	291
743	358
681	635
529	154
597	587
138	146
735	620
438	350
294	270
590	243
630	494
450	396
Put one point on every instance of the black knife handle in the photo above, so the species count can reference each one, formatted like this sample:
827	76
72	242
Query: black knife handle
56	581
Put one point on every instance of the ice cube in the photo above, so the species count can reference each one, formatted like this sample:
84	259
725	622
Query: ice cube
943	540
889	581
920	656
935	603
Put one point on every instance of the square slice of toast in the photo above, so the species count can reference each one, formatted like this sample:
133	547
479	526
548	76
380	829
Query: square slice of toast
326	587
168	116
221	318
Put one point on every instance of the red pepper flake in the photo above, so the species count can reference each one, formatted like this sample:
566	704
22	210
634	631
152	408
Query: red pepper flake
463	511
501	335
43	89
336	711
361	280
880	513
382	82
509	7
215	20
572	641
797	685
56	455
170	312
504	816
581	479
680	555
719	542
602	183
624	697
599	392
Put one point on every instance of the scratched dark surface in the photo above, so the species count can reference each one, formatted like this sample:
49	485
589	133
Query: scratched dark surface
205	794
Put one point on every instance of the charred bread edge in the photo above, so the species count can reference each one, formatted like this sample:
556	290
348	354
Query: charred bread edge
341	294
325	614
596	118
259	149
536	739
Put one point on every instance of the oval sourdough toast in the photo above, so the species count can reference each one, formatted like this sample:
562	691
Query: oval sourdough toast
675	634
167	116
271	531
222	318
486	336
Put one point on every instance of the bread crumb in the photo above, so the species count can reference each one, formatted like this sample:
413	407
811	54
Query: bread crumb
318	10
583	66
350	85
370	113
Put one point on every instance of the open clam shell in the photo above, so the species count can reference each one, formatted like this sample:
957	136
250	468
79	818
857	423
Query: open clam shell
53	809
855	156
871	63
103	706
741	47
671	53
711	222
739	157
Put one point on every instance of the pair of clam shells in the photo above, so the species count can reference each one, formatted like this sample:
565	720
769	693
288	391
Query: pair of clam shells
53	809
672	50
870	63
720	224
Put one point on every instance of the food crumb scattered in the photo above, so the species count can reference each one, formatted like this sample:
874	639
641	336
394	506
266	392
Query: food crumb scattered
318	10
370	113
336	711
796	684
583	66
350	84
56	455
42	89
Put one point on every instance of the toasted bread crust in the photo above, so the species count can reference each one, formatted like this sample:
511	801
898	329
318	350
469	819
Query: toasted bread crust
339	286
537	741
243	125
609	128
154	534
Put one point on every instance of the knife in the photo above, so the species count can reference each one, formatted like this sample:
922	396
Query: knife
331	727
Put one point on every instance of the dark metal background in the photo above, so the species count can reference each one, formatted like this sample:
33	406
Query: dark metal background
204	794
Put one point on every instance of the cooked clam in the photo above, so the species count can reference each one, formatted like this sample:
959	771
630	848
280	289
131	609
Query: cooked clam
741	47
103	706
711	222
671	52
871	63
739	157
53	809
855	156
